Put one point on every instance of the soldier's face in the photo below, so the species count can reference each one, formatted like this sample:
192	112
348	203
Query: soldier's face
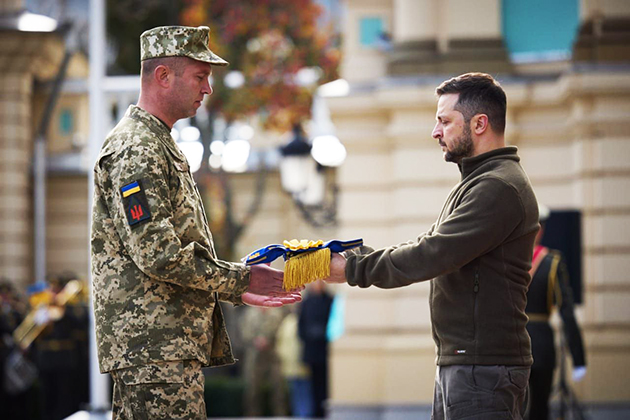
189	88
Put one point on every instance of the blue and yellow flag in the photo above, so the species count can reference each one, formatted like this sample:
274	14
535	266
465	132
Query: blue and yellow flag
305	261
127	190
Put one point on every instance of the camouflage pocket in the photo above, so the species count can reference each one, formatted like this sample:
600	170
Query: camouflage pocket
159	373
164	391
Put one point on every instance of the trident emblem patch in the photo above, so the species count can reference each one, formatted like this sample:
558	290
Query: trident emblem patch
135	203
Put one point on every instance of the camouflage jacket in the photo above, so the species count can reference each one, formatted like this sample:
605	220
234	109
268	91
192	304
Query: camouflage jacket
260	322
156	277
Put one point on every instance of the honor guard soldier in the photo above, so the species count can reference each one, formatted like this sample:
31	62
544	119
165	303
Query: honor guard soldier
549	288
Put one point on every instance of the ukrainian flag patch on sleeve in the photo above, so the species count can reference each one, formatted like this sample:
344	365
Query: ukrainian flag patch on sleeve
135	203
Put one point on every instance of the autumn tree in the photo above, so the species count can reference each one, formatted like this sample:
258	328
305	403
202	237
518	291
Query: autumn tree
270	43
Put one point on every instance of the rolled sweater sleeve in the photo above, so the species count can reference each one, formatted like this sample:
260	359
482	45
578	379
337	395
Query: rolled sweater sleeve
154	245
488	212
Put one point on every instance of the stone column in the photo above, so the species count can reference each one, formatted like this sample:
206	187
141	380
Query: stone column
603	36
23	57
600	107
15	184
432	36
415	20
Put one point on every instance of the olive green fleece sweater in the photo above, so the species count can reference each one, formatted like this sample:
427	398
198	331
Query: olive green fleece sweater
478	255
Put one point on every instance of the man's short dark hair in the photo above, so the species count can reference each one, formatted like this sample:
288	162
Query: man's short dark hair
479	93
177	64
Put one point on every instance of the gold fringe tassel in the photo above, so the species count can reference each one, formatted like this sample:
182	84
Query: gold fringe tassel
306	268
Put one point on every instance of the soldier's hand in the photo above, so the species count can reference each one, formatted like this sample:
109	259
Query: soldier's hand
265	280
265	288
287	298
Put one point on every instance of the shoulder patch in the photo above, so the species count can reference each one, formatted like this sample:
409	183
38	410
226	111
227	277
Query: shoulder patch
135	203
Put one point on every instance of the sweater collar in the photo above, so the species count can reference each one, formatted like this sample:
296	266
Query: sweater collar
469	165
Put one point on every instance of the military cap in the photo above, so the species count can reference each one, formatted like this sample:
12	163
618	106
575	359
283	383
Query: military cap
178	41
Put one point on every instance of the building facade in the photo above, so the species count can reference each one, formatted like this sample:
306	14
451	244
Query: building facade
567	115
29	62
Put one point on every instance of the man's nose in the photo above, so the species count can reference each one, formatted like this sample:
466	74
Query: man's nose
437	131
206	89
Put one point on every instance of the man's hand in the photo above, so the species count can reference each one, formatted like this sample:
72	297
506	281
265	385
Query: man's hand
337	269
265	288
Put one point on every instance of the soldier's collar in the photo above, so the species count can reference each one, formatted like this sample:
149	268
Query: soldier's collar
165	125
154	123
158	127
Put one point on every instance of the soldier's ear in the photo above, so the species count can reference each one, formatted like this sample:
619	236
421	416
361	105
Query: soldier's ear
162	76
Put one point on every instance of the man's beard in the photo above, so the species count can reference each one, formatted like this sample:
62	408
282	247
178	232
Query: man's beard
462	147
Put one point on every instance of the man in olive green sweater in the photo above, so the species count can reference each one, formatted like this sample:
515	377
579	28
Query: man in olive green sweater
477	254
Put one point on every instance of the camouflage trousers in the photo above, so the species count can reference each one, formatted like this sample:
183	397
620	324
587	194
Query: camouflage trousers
169	390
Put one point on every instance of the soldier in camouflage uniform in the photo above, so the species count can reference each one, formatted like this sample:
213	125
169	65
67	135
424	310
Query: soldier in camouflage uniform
156	277
262	364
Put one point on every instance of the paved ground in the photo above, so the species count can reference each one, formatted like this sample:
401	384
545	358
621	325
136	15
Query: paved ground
591	412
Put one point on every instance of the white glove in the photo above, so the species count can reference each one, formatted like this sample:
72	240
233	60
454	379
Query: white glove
578	373
42	316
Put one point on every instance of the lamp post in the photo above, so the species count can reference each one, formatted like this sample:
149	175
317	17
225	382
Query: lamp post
303	175
299	173
304	165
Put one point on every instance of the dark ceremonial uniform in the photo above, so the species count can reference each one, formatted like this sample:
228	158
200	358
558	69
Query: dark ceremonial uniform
549	287
312	328
12	406
58	360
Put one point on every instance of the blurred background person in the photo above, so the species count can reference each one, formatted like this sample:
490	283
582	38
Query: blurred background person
62	355
17	401
312	327
259	327
549	288
296	373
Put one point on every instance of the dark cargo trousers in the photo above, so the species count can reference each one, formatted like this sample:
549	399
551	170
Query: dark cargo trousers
480	392
164	391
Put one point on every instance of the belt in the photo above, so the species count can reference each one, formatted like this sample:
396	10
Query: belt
56	345
538	317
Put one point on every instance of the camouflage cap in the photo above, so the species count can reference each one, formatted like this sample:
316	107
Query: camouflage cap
178	41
